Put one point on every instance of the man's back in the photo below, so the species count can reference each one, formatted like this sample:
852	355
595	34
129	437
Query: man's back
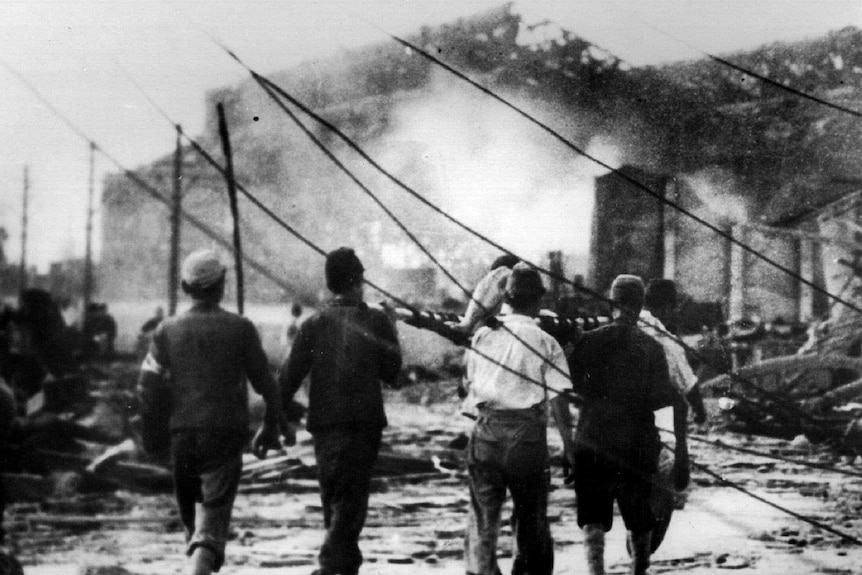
348	349
208	351
622	375
513	362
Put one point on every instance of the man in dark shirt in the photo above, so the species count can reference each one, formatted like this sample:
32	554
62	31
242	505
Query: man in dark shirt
348	349
622	375
194	398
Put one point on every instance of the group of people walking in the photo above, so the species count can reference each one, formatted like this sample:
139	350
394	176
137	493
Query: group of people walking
192	387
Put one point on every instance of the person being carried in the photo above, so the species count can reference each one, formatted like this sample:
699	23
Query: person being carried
621	374
514	373
660	302
347	349
194	399
488	298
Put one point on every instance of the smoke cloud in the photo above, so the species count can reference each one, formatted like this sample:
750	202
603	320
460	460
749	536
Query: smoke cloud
720	197
494	170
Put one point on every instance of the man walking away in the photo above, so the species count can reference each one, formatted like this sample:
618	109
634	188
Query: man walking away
347	349
194	398
512	384
622	375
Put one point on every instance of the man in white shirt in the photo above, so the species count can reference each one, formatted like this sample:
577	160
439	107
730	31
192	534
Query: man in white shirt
515	371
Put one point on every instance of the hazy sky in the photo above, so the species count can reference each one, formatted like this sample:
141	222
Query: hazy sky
75	51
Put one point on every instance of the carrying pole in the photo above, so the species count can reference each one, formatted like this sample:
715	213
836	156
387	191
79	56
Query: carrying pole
234	208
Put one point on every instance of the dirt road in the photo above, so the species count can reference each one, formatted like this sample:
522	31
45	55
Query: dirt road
416	522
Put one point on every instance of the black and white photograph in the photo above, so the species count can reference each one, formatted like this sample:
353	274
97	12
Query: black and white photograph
321	287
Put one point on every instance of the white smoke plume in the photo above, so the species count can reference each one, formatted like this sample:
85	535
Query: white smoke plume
494	170
721	199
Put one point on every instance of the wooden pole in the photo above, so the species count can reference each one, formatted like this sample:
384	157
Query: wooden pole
234	208
22	274
88	256
176	221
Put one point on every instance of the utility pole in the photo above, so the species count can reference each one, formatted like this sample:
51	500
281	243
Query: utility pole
234	208
176	211
88	256
22	274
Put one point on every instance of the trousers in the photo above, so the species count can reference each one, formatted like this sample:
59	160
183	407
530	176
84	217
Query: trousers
508	450
345	459
207	469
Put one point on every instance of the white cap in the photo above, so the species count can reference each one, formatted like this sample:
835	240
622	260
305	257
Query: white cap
202	268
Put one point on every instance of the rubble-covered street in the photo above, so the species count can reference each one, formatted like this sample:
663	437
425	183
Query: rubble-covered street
419	508
233	220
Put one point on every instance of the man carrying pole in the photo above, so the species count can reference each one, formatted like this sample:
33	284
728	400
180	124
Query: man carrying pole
622	376
348	350
514	372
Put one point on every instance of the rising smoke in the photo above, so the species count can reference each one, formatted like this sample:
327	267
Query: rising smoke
494	170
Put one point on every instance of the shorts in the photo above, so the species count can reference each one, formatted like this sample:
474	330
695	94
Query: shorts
599	482
207	469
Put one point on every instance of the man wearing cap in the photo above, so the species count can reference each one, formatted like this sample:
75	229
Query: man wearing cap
621	374
514	370
347	349
194	399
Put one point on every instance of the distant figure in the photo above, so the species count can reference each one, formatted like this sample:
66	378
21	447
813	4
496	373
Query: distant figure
194	399
8	413
99	331
151	324
348	349
43	332
146	332
293	325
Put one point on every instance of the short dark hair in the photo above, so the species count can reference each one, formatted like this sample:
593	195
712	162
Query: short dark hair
660	293
343	270
505	261
524	286
522	300
628	291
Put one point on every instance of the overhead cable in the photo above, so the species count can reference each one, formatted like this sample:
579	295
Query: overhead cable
267	211
401	225
264	82
149	189
813	464
819	524
761	77
634	181
771	395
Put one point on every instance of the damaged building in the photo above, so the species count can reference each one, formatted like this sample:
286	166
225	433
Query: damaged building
761	165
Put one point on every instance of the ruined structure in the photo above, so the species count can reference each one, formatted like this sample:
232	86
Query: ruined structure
719	143
781	176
